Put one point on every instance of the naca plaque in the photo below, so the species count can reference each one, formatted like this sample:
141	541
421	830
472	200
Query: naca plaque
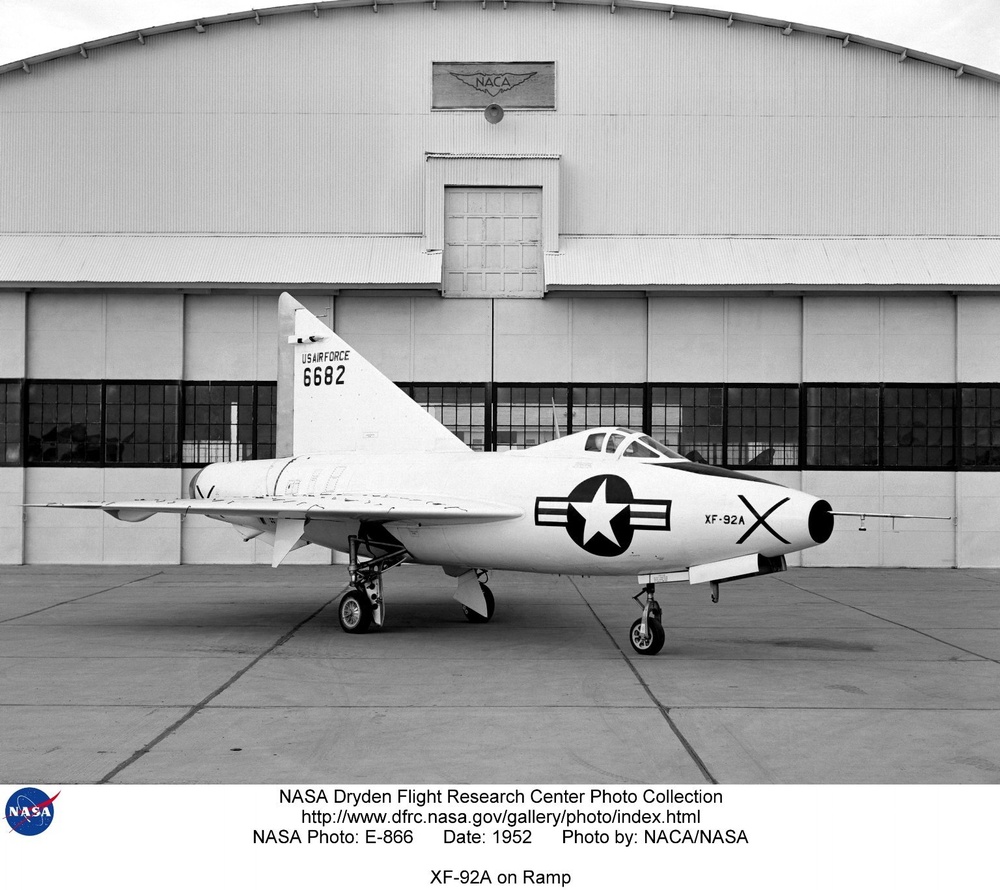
513	85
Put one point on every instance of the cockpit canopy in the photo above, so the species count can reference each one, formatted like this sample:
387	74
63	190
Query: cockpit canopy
628	443
610	442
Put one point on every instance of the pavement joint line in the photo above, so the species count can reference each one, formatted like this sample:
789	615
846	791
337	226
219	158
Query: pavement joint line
77	599
606	707
813	656
401	707
195	709
146	706
663	709
994	581
899	624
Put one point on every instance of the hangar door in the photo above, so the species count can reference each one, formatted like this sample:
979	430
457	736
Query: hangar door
492	242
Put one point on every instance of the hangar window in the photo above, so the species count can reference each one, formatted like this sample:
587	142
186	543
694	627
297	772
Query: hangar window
528	415
979	429
10	422
140	423
64	422
460	408
218	422
762	426
918	426
607	406
689	419
842	426
266	421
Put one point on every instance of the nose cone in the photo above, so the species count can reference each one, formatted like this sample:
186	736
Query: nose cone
782	520
193	485
820	522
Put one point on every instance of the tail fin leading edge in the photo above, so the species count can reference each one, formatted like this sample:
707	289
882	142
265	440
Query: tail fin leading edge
341	402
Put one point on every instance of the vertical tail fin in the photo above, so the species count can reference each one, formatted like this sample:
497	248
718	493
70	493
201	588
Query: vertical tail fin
341	402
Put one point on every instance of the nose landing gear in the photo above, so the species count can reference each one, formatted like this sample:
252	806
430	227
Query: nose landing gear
646	634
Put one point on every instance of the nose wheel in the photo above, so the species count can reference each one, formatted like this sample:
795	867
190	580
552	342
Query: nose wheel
647	642
646	634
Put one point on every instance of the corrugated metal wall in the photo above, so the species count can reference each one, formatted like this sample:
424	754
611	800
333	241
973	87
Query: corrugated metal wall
665	126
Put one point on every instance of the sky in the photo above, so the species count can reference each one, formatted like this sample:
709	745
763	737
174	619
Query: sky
966	31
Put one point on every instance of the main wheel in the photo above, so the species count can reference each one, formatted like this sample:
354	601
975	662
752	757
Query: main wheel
653	640
354	612
475	617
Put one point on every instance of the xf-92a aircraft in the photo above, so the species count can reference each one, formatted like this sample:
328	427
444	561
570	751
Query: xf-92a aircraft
378	477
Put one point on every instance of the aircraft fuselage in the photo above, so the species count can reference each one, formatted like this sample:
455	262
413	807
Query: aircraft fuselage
595	515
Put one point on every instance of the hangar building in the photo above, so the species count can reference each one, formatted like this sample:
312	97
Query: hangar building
770	245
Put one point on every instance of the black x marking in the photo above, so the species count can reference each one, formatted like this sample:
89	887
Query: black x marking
760	520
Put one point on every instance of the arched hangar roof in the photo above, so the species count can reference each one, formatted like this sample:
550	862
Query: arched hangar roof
724	152
788	28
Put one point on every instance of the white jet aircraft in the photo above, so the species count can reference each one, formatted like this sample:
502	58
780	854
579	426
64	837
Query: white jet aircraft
376	476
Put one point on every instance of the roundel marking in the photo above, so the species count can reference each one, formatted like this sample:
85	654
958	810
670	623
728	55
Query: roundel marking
601	514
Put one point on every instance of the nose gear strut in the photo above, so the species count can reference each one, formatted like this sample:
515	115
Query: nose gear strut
646	634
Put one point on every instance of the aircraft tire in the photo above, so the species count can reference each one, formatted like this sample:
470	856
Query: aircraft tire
354	612
475	617
652	643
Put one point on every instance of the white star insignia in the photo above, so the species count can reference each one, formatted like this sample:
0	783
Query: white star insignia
598	515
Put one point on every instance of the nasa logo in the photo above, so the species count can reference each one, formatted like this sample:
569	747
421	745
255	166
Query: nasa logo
30	811
601	515
493	84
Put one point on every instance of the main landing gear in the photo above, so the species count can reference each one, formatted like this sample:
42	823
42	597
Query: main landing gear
363	605
646	635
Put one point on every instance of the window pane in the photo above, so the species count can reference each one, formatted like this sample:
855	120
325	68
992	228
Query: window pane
980	419
842	426
141	423
607	406
10	423
64	424
460	408
525	415
267	420
915	417
689	420
218	423
760	433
